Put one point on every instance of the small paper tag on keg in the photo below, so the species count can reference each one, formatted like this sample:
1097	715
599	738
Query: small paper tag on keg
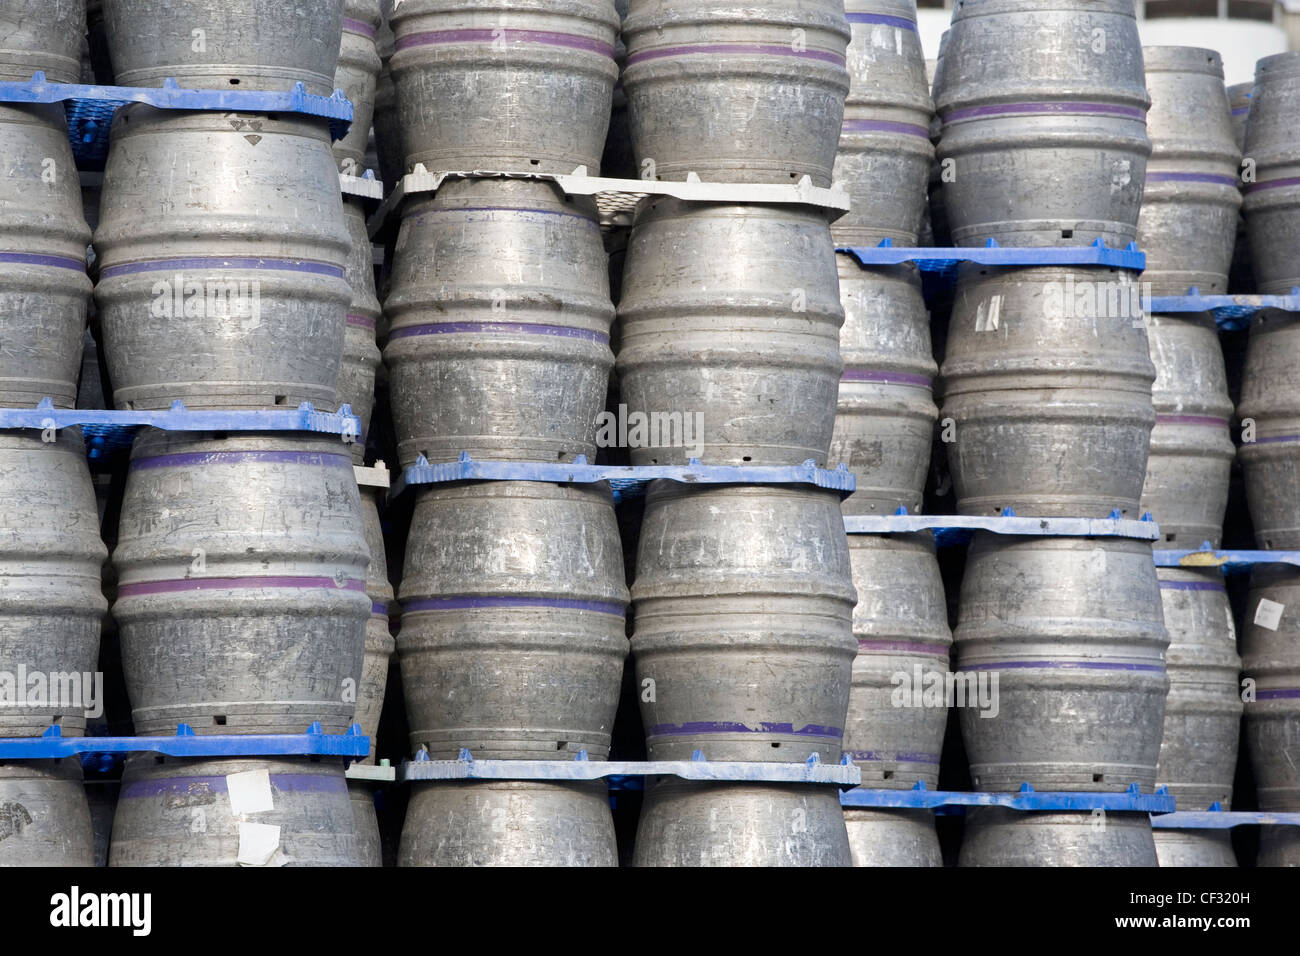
987	314
259	843
1269	614
250	792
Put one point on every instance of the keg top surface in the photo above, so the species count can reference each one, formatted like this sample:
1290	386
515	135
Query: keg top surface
1278	66
904	9
487	11
657	14
1182	59
964	9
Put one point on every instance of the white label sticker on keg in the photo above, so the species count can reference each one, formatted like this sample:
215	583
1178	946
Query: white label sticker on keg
986	315
1269	614
249	792
258	844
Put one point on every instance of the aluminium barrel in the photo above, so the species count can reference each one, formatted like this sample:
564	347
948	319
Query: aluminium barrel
684	823
44	815
233	811
736	92
898	702
51	605
360	353
380	645
513	603
225	44
241	598
507	85
729	325
1190	460
499	315
884	153
44	290
1269	411
357	76
1043	104
1270	665
743	634
1194	847
1072	629
42	36
1271	178
221	251
995	836
885	413
1047	381
892	837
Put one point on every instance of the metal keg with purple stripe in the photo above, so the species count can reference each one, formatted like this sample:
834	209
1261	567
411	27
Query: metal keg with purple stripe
44	290
221	252
736	92
1189	466
242	597
357	76
490	84
885	412
1271	174
250	811
1269	411
744	639
1270	667
360	353
884	153
1043	104
1073	630
513	620
500	317
1188	223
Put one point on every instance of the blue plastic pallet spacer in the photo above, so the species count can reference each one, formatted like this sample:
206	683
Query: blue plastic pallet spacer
625	480
957	529
1232	312
946	258
106	430
1229	561
1131	800
185	743
812	770
90	107
1216	818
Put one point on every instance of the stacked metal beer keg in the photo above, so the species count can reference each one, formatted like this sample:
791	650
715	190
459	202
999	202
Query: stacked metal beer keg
1270	449
743	594
513	594
883	429
51	555
241	558
1047	391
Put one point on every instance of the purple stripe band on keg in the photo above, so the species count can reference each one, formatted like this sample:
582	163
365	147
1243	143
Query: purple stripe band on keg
379	609
199	458
732	727
1066	665
1191	586
525	328
500	34
883	126
907	647
715	49
359	26
188	786
361	321
885	377
33	259
901	22
1192	178
1192	420
1273	184
462	603
1290	693
262	581
1241	110
224	262
1040	109
869	755
1276	438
